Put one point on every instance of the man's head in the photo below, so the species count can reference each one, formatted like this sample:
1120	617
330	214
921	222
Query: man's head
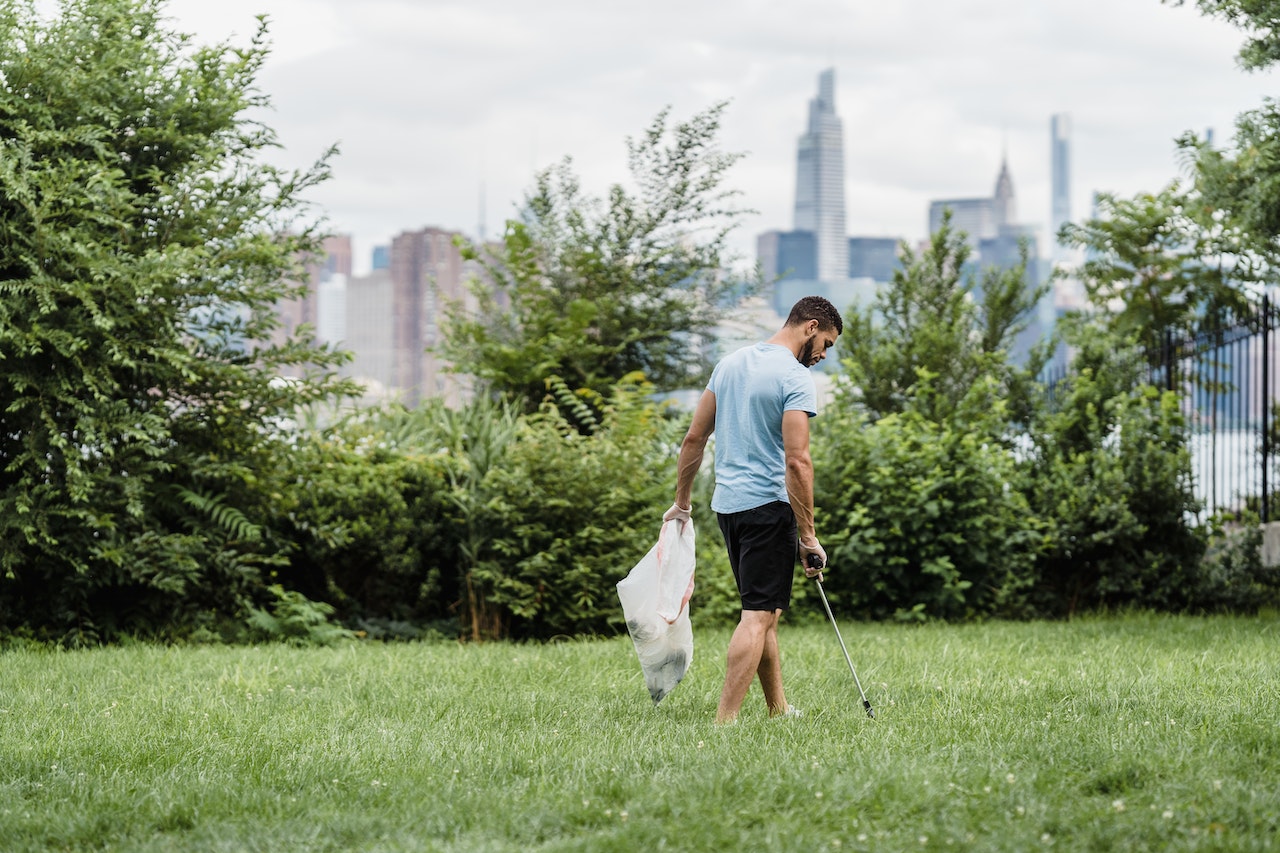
819	324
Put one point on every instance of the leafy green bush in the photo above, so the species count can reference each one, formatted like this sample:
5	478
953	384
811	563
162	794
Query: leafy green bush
369	528
571	513
1110	468
1231	577
917	488
295	619
921	519
386	506
949	487
479	522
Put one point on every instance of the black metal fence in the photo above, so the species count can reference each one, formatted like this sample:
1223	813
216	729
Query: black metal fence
1227	378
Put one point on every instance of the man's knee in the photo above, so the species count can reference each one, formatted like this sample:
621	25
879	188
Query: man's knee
762	619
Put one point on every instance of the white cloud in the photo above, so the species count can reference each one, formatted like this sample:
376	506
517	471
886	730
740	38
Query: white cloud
431	100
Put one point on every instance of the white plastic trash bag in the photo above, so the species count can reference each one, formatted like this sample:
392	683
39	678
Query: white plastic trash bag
655	602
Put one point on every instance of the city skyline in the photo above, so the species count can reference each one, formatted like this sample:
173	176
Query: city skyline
430	102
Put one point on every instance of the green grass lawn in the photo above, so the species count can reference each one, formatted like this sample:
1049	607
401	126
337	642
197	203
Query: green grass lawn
1134	733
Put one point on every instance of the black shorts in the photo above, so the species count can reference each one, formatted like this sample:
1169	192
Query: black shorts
762	551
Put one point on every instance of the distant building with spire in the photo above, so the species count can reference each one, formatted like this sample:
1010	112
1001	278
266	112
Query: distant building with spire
980	218
1004	205
997	239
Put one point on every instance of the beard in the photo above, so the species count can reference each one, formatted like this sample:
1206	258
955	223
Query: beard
806	354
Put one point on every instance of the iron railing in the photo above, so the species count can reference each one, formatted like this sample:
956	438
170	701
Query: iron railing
1226	377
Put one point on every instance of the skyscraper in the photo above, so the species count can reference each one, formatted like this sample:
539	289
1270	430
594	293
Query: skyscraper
787	254
1060	166
427	271
980	218
820	182
873	257
306	308
976	217
368	334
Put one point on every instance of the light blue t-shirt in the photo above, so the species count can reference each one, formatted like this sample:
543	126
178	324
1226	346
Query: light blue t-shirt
753	387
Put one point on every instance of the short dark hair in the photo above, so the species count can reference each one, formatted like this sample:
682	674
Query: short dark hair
816	308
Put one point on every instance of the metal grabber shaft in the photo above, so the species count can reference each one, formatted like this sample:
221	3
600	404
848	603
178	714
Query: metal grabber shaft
816	562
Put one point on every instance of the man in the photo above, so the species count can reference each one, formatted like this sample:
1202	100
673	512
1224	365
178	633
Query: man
758	403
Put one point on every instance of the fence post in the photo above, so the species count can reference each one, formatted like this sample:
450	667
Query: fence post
1266	405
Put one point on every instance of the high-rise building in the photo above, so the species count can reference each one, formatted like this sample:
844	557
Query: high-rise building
331	313
368	324
427	271
813	258
787	254
820	182
1003	203
336	250
1060	173
980	218
328	277
873	257
976	217
307	307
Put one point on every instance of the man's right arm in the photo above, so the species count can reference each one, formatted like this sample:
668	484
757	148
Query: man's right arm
692	448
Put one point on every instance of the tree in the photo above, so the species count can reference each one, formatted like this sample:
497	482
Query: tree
1107	466
1242	187
591	291
1236	192
1260	18
143	245
940	325
1169	262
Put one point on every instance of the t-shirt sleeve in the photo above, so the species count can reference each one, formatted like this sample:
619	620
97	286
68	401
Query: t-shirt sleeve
800	393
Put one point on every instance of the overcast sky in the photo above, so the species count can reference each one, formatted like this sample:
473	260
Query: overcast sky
431	101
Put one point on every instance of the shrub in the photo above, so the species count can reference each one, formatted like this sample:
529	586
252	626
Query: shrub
1110	467
295	619
1231	577
921	519
370	527
571	513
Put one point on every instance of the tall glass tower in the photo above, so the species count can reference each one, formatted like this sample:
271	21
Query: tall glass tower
820	182
1060	166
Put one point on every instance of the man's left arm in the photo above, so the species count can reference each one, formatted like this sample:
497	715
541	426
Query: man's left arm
795	443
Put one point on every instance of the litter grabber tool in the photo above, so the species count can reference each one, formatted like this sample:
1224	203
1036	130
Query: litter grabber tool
815	562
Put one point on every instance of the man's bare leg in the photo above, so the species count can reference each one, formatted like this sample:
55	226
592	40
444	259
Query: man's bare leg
747	650
770	670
